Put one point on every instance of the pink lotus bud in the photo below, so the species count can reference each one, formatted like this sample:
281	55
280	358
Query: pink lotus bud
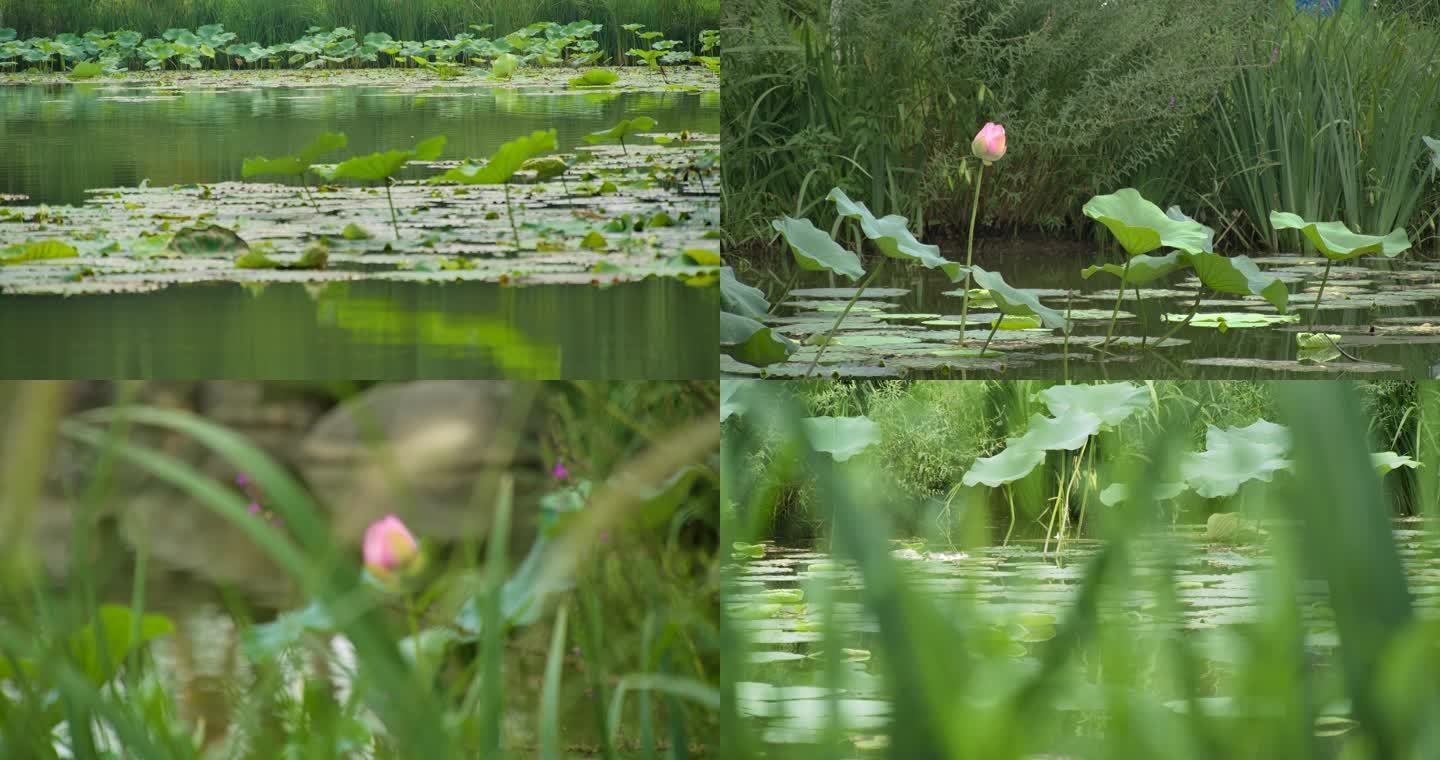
389	548
989	143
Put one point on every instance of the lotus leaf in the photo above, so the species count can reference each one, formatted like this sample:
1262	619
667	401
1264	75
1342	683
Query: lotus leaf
1018	302
751	342
1336	242
815	250
840	437
1141	227
893	237
1111	402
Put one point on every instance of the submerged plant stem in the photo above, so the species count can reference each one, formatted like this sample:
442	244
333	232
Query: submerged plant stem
993	328
970	253
306	184
830	334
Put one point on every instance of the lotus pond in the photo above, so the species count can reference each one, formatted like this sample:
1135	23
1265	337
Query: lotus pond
1352	304
135	203
906	323
1017	594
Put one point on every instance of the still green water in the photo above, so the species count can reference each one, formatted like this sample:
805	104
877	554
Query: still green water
60	141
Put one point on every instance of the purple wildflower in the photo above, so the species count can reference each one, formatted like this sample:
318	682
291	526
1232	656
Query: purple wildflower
559	472
242	480
254	508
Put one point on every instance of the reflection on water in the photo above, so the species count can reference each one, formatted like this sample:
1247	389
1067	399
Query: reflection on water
655	329
59	141
1018	591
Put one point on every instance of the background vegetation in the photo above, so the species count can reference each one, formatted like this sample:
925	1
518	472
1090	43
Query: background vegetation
1230	112
274	21
931	432
634	644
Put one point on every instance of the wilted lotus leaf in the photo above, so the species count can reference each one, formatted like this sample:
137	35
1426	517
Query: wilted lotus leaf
208	241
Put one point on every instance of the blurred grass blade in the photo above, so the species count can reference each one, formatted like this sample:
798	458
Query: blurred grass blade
550	694
685	688
1347	536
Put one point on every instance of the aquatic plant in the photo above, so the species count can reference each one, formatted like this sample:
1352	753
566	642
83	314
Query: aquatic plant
390	551
500	168
211	46
1336	242
382	167
989	147
297	166
620	131
1140	227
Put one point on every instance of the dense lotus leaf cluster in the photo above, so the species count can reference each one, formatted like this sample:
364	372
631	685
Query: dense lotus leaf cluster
543	44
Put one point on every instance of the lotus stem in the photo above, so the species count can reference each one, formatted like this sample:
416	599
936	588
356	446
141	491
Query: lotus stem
1194	307
394	220
306	184
1065	502
1315	312
993	328
510	214
1140	316
1010	497
969	254
1069	306
830	334
1119	295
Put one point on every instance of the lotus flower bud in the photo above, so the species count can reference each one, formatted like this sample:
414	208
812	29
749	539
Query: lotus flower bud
389	548
989	143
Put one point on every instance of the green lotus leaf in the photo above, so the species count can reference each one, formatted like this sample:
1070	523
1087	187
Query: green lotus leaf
87	70
1434	146
1306	340
893	237
504	162
294	166
322	144
740	549
1235	456
1116	493
738	298
379	166
816	251
595	78
288	166
751	342
213	240
1111	402
1141	227
504	65
255	259
37	250
1223	321
1240	276
1336	242
1008	466
1066	432
1385	461
1009	322
732	401
1017	302
840	437
354	231
1144	268
622	130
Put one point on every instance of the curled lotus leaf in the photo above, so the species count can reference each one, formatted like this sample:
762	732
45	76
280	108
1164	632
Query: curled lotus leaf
893	237
840	437
1336	242
1141	227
